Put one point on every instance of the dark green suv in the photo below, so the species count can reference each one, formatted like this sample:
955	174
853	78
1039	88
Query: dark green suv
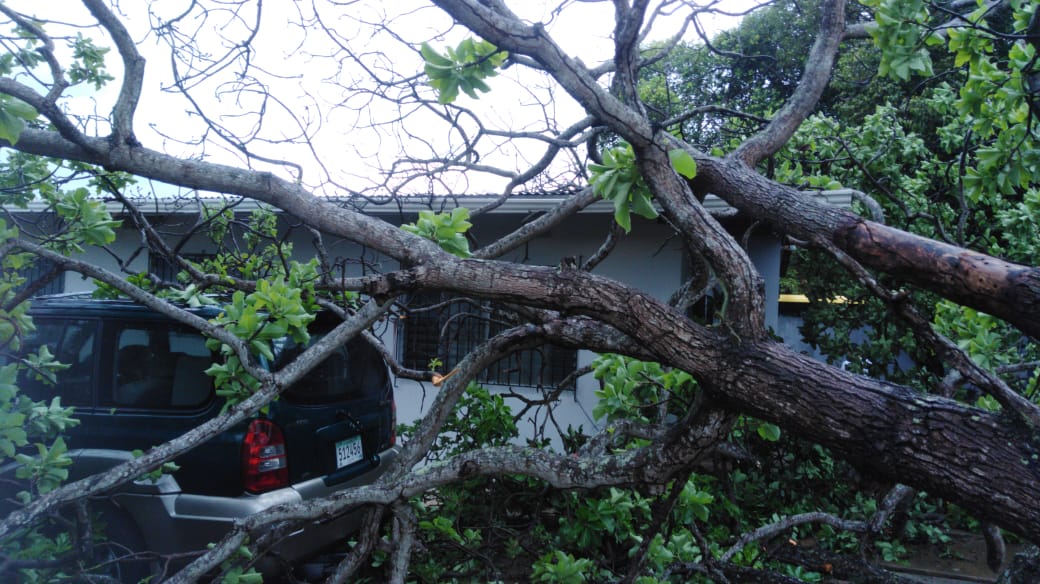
136	379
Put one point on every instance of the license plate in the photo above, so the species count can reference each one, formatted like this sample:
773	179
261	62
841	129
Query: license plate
348	451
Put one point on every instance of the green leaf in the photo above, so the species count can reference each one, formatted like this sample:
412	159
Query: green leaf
434	58
464	68
449	92
446	229
643	206
466	84
19	108
437	73
683	163
622	216
10	127
770	432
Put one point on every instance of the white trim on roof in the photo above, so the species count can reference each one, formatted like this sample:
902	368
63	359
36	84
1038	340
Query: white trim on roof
515	204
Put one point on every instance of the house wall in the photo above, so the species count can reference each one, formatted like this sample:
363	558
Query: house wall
650	257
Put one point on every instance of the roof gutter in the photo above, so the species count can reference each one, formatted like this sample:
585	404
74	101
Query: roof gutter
410	205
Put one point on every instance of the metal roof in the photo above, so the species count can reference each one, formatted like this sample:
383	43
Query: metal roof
409	205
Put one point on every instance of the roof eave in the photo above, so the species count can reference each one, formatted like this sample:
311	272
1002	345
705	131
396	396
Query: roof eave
516	204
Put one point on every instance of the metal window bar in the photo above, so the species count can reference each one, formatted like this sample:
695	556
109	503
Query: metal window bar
37	270
166	271
447	328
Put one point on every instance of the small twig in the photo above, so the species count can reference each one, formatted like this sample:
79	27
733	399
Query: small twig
788	523
658	523
706	555
604	250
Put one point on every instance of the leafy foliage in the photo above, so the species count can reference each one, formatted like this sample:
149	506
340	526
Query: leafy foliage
30	431
537	533
88	65
445	229
560	567
899	32
745	70
618	180
633	389
464	67
276	310
979	125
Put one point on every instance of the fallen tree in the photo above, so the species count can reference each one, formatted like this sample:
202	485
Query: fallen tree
984	461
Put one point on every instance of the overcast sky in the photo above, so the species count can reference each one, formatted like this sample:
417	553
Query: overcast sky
353	135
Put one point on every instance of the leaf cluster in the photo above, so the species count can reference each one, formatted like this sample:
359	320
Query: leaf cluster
619	181
30	430
464	67
447	229
14	114
276	310
901	33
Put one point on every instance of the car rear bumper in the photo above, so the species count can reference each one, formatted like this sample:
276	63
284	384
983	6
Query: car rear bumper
180	523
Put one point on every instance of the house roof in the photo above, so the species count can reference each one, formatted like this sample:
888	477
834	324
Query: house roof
522	204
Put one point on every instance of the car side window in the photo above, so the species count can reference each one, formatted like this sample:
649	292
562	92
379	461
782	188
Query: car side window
158	366
72	342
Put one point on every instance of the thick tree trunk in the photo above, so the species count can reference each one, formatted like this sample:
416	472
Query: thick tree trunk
985	462
1004	289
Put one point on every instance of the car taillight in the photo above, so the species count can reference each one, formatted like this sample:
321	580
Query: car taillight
265	466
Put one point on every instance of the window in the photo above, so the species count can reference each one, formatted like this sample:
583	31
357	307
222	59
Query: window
40	268
72	344
167	272
447	328
159	366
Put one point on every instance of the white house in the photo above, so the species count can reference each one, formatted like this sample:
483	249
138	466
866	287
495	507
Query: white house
650	257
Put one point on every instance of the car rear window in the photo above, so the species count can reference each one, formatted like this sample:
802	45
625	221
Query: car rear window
354	370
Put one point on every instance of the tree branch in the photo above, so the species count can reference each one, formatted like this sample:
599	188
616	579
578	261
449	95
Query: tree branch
133	72
814	80
788	523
